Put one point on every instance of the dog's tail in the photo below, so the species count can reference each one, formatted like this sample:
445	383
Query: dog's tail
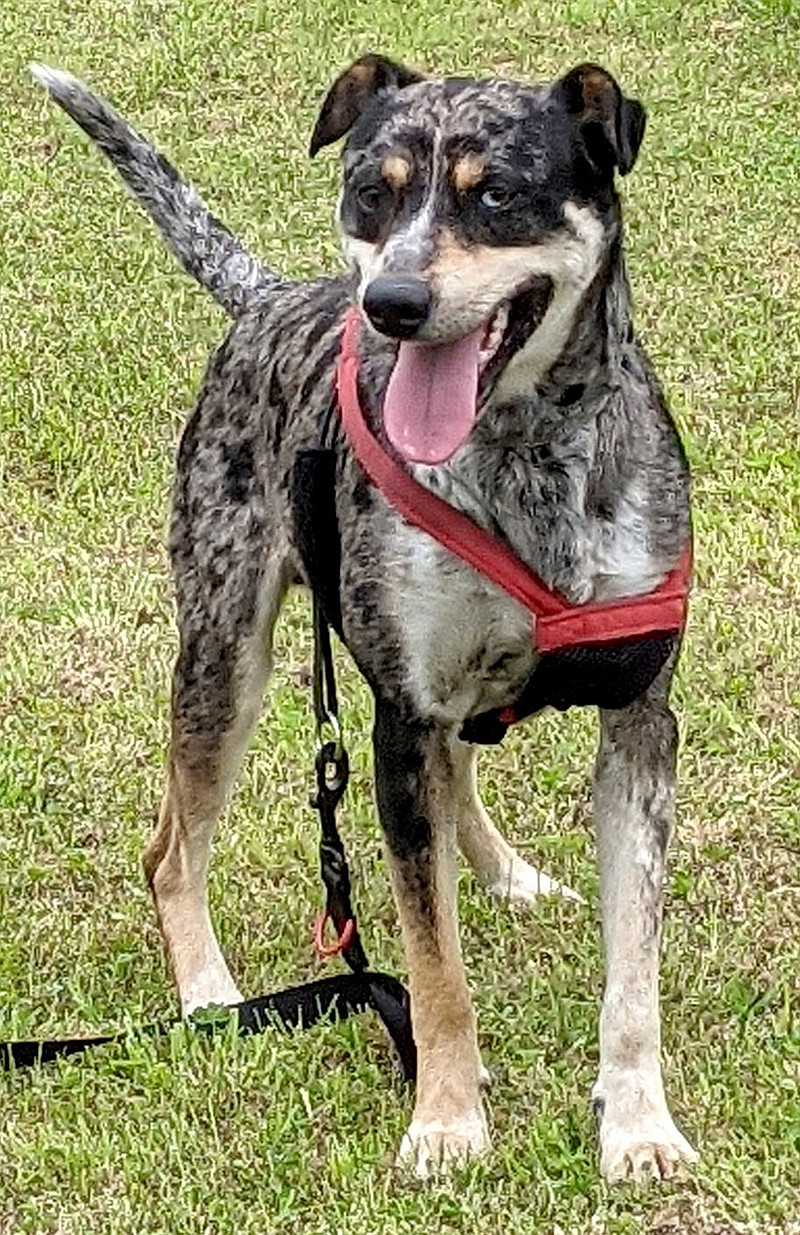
203	246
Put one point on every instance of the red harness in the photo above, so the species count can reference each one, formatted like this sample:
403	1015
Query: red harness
558	624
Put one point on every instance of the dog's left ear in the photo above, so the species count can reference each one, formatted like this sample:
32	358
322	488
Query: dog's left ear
350	94
611	125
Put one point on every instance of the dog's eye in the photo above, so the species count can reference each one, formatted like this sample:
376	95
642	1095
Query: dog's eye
499	197
371	197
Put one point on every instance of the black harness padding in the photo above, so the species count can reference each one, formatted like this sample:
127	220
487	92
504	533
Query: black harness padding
604	675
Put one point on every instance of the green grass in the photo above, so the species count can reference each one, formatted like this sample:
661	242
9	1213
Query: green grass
102	344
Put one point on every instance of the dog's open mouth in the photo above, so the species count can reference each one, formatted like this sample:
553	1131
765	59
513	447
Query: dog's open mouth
432	398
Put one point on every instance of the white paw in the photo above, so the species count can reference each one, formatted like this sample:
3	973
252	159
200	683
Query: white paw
522	883
639	1145
652	1151
433	1147
210	989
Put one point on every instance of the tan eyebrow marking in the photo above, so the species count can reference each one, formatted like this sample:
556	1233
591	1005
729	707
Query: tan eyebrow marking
396	171
467	171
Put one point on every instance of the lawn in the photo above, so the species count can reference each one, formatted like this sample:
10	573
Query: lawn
102	344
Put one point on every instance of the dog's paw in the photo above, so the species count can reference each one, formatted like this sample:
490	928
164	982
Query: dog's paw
651	1152
523	884
639	1145
431	1148
210	989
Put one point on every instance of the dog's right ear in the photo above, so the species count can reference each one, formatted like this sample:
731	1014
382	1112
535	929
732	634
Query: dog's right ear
350	94
611	125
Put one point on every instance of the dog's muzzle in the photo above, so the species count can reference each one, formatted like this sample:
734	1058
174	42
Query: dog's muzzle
397	305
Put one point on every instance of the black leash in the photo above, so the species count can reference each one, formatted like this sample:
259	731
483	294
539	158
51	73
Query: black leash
299	1006
388	997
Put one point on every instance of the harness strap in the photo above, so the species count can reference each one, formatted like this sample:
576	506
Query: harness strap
558	623
313	493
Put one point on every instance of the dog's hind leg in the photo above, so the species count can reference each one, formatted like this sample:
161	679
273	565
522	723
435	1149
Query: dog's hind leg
231	573
499	868
633	803
414	784
218	686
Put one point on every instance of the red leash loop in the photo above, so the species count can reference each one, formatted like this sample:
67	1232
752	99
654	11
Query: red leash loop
326	950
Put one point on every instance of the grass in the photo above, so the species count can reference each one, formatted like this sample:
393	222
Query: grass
102	343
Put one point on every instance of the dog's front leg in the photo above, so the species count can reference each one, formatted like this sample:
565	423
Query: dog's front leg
414	782
633	802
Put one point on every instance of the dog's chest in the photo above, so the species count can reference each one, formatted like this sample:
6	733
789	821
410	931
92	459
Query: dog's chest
573	501
466	646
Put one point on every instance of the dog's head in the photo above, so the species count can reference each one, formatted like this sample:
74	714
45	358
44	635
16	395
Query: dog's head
459	198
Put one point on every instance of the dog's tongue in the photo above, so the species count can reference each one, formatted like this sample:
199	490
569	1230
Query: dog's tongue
431	399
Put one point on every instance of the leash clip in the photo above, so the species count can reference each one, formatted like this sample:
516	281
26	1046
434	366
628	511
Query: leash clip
332	767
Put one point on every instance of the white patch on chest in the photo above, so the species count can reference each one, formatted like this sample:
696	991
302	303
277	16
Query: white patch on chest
618	556
468	647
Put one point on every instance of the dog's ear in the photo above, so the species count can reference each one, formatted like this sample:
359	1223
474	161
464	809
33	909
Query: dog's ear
350	94
611	125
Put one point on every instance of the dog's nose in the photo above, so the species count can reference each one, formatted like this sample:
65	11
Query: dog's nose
397	305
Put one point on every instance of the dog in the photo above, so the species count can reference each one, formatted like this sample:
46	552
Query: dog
498	363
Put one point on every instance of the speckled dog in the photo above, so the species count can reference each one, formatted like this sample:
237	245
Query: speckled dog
483	232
